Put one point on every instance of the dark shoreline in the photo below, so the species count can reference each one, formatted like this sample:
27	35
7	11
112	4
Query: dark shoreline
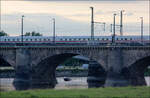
59	73
10	73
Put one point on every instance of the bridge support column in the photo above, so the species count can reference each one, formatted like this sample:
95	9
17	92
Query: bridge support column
44	82
96	75
23	69
115	76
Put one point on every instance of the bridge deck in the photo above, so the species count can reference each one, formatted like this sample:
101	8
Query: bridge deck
78	47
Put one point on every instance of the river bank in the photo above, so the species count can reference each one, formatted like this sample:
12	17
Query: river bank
76	82
10	73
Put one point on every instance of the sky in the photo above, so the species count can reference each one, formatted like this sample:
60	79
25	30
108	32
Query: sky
73	17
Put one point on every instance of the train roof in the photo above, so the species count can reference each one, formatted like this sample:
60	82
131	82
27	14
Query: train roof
146	37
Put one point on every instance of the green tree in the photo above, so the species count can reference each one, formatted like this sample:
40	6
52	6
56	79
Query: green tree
33	33
2	33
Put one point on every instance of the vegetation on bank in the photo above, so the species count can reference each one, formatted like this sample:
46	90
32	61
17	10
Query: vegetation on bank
147	72
33	33
2	33
72	69
116	92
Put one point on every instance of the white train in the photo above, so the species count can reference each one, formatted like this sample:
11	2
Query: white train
73	39
68	38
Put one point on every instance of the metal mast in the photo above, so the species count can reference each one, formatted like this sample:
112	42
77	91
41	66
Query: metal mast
114	33
141	29
121	23
111	27
53	30
104	26
92	24
22	29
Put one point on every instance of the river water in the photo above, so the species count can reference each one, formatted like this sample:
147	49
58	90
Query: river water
76	82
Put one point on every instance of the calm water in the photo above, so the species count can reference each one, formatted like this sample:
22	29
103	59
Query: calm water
76	82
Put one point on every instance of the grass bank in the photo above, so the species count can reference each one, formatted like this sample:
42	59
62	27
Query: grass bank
118	92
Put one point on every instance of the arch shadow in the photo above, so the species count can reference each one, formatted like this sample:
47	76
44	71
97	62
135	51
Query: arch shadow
135	72
43	75
4	63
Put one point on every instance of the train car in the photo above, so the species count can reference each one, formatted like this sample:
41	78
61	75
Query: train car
72	40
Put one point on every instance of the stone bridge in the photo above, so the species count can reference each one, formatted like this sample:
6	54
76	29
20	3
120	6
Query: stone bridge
35	65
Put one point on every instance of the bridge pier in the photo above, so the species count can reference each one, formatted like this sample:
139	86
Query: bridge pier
23	70
43	82
115	77
96	75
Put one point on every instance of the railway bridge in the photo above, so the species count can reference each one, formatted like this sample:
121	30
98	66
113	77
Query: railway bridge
35	65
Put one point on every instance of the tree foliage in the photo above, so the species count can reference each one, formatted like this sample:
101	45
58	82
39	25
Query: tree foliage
74	62
2	33
33	33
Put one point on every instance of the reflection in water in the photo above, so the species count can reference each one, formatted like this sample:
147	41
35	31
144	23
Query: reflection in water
76	82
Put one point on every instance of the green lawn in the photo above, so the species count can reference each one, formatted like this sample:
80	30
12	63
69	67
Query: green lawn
118	92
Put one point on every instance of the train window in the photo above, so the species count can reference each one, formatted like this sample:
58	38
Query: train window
102	38
69	39
117	38
106	38
121	38
130	38
125	38
17	39
61	39
79	38
30	39
13	39
65	39
35	39
48	39
5	39
88	38
26	39
39	39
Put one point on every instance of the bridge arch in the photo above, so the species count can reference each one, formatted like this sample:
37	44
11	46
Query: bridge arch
4	62
44	71
135	72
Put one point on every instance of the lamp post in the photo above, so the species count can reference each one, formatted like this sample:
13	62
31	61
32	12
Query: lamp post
141	29
114	33
104	26
111	28
22	29
54	30
92	24
121	22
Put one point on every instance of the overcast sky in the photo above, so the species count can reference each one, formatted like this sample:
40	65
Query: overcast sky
73	17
